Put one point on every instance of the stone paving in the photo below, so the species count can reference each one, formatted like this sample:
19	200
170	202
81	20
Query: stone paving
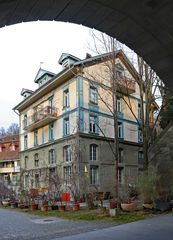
22	226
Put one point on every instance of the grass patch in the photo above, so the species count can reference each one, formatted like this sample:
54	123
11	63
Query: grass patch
91	215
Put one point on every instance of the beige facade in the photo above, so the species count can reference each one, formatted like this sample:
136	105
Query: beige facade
65	126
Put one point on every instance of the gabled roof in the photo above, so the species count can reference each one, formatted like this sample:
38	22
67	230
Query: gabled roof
57	79
103	57
64	56
41	73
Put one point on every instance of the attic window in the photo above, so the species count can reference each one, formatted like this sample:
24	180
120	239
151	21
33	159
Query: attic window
65	63
119	70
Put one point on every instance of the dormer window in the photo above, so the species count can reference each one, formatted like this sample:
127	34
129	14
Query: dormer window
65	64
43	76
67	60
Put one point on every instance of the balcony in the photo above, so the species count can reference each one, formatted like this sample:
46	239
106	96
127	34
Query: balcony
7	170
40	118
125	85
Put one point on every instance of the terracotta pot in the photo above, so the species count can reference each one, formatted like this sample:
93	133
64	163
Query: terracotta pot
5	203
148	206
33	206
44	208
61	208
129	207
76	206
112	205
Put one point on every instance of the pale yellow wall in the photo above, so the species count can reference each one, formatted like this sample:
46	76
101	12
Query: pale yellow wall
58	124
130	132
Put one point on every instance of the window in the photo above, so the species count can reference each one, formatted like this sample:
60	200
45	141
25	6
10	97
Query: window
50	105
93	152
93	120
140	135
120	175
66	99
26	181
139	111
35	137
93	95
67	174
25	142
120	129
121	155
36	160
50	131
119	70
140	158
52	157
25	162
25	121
94	175
37	180
118	105
67	153
66	126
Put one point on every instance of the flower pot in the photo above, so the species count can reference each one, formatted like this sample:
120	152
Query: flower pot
5	203
54	207
149	206
21	205
76	206
14	205
33	206
61	208
112	205
44	208
129	207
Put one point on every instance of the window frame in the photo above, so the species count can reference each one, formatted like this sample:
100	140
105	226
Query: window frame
93	152
52	156
67	153
66	98
93	125
120	129
36	160
66	126
93	94
94	174
67	174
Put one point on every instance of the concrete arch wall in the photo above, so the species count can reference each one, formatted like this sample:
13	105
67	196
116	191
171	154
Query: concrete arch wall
146	26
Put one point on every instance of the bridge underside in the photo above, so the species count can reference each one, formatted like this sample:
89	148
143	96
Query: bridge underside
146	26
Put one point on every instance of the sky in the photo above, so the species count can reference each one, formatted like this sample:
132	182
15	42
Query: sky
23	47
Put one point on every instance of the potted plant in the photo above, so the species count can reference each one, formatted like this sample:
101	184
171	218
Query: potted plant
44	206
128	202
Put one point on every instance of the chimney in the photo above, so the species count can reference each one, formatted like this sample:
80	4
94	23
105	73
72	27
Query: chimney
88	55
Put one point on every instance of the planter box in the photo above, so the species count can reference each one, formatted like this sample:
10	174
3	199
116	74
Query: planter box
5	203
33	206
61	208
44	208
148	206
75	206
129	207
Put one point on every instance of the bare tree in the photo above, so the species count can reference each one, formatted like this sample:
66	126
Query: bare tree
13	129
111	84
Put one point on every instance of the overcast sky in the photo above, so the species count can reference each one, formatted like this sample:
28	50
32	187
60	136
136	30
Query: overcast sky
22	48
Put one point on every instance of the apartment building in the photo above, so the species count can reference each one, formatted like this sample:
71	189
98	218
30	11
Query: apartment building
66	126
9	160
